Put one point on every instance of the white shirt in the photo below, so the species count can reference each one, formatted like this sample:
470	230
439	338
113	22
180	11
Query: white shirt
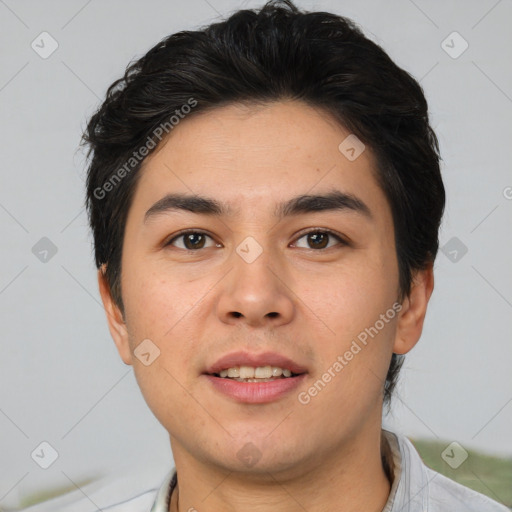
415	488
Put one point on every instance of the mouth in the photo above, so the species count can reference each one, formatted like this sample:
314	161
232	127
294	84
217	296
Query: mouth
255	374
249	378
244	365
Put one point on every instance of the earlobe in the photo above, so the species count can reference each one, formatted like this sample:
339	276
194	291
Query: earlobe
414	309
116	322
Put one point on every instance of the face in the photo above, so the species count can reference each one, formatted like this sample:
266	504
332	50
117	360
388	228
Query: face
303	280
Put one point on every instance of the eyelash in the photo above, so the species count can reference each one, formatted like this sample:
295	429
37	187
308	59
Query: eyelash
329	232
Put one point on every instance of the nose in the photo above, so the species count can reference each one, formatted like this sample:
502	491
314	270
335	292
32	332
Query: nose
256	294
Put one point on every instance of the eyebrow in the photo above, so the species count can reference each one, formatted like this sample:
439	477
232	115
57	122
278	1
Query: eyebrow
302	204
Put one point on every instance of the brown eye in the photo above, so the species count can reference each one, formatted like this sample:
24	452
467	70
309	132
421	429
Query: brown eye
319	239
194	241
191	241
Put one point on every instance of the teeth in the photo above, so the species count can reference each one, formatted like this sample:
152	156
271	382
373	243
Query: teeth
276	371
254	380
258	374
263	372
246	372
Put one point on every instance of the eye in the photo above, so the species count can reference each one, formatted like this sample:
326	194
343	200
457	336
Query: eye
192	240
319	239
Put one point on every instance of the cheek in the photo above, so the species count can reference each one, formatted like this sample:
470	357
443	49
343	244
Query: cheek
351	298
163	308
156	301
358	322
157	309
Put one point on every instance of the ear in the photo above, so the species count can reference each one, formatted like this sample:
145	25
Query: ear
414	309
116	322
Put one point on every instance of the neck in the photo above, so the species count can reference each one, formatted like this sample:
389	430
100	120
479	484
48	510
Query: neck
348	479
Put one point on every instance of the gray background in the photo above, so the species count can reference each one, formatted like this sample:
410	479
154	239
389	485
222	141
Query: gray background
61	378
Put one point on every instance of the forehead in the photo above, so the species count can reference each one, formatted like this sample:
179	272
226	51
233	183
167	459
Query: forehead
249	156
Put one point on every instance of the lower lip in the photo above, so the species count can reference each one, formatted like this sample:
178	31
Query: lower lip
255	392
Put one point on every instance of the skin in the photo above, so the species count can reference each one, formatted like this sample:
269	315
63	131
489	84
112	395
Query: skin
198	305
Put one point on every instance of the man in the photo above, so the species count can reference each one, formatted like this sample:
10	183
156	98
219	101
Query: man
265	199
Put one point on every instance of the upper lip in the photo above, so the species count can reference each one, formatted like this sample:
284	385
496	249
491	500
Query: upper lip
247	359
